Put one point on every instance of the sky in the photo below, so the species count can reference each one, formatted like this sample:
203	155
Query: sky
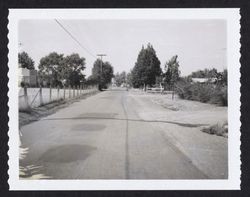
199	44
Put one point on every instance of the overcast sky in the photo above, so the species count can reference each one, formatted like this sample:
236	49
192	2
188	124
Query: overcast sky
198	43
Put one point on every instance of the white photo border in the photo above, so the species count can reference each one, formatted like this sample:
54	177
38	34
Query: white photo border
231	15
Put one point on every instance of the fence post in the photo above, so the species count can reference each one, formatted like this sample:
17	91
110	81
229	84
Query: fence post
58	92
26	102
73	91
69	91
50	93
41	95
64	92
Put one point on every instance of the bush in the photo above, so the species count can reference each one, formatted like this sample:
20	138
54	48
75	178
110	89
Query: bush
219	96
206	93
217	129
24	84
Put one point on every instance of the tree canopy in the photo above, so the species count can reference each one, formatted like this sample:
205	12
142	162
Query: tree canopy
206	73
102	73
147	67
172	73
73	67
59	70
25	61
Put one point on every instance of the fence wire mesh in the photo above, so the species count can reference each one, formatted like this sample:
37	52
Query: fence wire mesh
35	97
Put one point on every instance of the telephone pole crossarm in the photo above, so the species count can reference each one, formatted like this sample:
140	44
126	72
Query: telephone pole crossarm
101	55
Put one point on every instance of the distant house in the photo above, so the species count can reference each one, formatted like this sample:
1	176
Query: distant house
204	80
27	76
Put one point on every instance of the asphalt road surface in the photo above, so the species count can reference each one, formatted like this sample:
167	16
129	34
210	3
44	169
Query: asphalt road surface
102	137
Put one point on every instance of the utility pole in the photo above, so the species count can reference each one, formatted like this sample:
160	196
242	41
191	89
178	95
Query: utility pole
101	55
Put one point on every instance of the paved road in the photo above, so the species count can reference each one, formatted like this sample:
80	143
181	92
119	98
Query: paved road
102	137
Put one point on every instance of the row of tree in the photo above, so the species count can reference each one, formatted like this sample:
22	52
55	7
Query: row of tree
59	70
147	70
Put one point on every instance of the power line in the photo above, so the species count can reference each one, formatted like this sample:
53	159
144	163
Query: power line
84	48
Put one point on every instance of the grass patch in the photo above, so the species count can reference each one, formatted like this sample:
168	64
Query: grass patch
217	129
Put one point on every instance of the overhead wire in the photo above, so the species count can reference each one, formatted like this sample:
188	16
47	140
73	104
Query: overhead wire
79	43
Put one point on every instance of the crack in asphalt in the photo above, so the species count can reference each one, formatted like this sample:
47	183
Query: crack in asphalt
133	120
126	140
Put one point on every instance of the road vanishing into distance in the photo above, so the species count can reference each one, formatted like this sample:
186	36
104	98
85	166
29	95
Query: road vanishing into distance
103	137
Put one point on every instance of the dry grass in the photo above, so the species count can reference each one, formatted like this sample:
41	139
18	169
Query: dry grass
217	129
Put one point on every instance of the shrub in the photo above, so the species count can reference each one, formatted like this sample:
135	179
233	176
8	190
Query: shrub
217	129
206	93
219	96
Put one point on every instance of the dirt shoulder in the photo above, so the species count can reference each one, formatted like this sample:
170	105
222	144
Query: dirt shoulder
181	122
185	111
35	114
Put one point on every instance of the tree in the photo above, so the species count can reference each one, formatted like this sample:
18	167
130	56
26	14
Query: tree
198	74
129	79
158	80
172	74
51	69
102	73
120	78
25	61
147	67
224	77
59	70
72	69
206	73
108	73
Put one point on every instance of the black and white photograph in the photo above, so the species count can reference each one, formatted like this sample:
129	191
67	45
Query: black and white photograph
130	99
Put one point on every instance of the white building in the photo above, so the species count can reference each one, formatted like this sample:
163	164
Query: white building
204	80
27	76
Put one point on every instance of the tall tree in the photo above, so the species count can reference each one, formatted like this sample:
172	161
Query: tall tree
25	61
108	73
72	69
102	73
147	67
172	74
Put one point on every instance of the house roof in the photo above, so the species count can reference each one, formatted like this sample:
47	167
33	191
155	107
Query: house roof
203	80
